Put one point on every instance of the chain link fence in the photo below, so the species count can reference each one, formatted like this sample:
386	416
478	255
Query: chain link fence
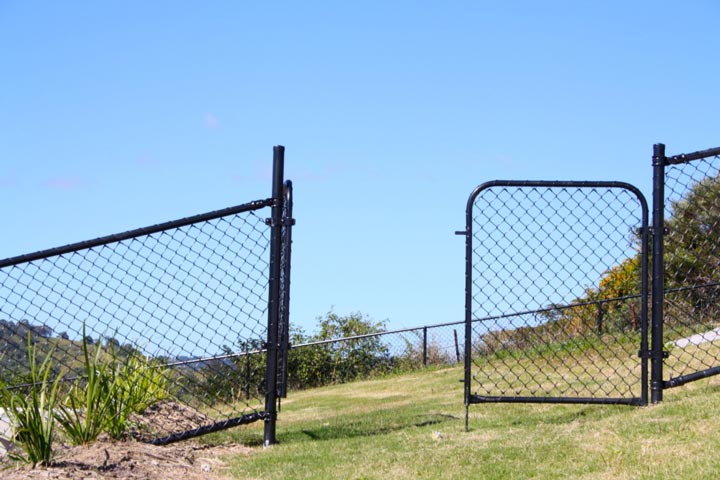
691	321
179	309
340	360
556	293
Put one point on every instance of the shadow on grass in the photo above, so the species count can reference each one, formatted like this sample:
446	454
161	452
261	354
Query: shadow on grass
368	427
567	414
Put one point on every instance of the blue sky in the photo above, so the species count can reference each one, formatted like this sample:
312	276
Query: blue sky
116	115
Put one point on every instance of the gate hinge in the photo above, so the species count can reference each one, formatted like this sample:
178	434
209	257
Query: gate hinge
648	354
651	231
287	222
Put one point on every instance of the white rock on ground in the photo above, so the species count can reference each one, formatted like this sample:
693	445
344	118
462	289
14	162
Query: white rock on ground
5	433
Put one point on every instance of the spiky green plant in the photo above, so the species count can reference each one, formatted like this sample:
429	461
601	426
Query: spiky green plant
31	411
86	410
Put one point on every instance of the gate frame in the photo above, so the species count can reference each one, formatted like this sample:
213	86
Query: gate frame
644	353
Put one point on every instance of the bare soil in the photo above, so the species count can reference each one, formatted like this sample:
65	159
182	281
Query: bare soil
131	460
135	459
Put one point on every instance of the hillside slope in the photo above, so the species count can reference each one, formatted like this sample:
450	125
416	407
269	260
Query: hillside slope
412	426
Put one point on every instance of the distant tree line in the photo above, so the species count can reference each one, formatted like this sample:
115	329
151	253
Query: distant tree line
237	376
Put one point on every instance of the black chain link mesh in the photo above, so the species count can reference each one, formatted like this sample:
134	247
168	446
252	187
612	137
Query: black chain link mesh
192	298
692	266
340	360
556	284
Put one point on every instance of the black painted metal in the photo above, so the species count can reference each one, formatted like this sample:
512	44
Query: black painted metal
643	355
275	300
284	327
689	157
424	346
637	402
658	275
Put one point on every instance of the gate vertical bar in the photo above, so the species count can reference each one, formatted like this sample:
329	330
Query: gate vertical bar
658	273
468	307
274	300
644	295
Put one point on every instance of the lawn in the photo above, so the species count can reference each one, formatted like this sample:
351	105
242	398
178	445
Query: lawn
412	426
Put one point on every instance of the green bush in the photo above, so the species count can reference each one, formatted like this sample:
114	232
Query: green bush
338	362
241	377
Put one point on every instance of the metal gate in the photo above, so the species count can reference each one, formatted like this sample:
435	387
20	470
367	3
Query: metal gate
556	293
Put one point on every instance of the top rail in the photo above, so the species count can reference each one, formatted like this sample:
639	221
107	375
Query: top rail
119	237
689	157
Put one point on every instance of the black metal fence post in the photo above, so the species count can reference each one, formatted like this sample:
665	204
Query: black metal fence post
274	296
658	273
424	347
457	346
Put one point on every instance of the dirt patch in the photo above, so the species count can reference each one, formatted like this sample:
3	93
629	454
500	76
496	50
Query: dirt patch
135	459
132	459
165	418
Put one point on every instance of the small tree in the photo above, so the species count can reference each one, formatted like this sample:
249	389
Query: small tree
352	359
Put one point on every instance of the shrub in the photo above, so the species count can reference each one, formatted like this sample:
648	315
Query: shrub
342	361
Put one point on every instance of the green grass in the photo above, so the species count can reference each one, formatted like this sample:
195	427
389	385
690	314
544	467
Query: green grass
388	428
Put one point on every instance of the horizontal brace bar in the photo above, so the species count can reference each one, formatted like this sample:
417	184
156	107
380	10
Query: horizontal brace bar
567	400
119	237
689	157
682	380
215	427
